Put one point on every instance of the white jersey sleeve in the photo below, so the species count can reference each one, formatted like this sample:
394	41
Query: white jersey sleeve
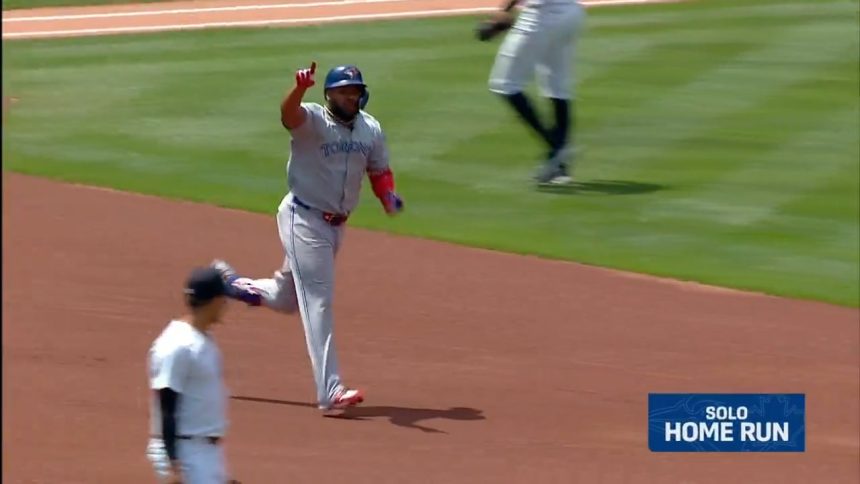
169	368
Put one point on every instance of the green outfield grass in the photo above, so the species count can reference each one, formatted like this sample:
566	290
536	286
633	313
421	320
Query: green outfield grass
719	140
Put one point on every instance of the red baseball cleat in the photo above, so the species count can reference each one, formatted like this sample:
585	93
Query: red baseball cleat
346	397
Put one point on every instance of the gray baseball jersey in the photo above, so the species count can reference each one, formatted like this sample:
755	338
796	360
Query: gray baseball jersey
329	161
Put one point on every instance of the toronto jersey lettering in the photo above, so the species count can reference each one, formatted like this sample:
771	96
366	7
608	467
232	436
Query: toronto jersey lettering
336	147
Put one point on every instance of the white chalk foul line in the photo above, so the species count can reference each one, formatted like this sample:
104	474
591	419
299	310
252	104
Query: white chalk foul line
245	23
274	6
176	11
268	22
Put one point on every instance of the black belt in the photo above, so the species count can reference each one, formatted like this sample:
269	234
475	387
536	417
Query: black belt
334	219
212	439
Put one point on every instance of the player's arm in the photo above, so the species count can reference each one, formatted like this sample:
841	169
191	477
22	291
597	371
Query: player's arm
382	177
498	23
509	5
293	114
168	379
169	399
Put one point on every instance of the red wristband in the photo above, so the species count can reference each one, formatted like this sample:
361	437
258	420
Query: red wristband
382	182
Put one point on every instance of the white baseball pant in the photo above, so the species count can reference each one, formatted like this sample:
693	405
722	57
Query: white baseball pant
543	41
201	462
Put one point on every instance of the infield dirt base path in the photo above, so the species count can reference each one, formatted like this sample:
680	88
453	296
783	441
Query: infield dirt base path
479	366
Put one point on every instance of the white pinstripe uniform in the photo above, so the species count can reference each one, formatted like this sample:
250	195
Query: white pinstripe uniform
189	362
542	41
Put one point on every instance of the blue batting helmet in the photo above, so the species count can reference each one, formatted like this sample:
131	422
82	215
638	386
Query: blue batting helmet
347	75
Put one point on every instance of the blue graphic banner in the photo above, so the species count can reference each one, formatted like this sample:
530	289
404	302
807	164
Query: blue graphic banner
727	422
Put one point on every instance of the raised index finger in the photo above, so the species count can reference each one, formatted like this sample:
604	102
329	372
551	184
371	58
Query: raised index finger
313	67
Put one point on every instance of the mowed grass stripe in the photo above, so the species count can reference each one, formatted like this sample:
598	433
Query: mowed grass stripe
778	117
821	208
746	192
751	199
630	138
716	14
213	126
826	224
176	135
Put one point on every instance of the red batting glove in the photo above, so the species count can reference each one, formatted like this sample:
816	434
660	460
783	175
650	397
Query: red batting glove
305	77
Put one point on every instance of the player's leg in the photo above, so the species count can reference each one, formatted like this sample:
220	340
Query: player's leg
554	80
311	247
202	461
513	69
556	69
277	293
219	463
224	467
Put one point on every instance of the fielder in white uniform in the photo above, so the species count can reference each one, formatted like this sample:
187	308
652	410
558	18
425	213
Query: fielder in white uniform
188	401
541	41
333	148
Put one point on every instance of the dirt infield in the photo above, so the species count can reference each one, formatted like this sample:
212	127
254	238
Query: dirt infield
480	367
487	367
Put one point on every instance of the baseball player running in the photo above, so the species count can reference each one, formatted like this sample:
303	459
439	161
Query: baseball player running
542	41
187	410
333	147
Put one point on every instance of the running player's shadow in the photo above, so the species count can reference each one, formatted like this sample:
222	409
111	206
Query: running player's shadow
606	187
400	416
